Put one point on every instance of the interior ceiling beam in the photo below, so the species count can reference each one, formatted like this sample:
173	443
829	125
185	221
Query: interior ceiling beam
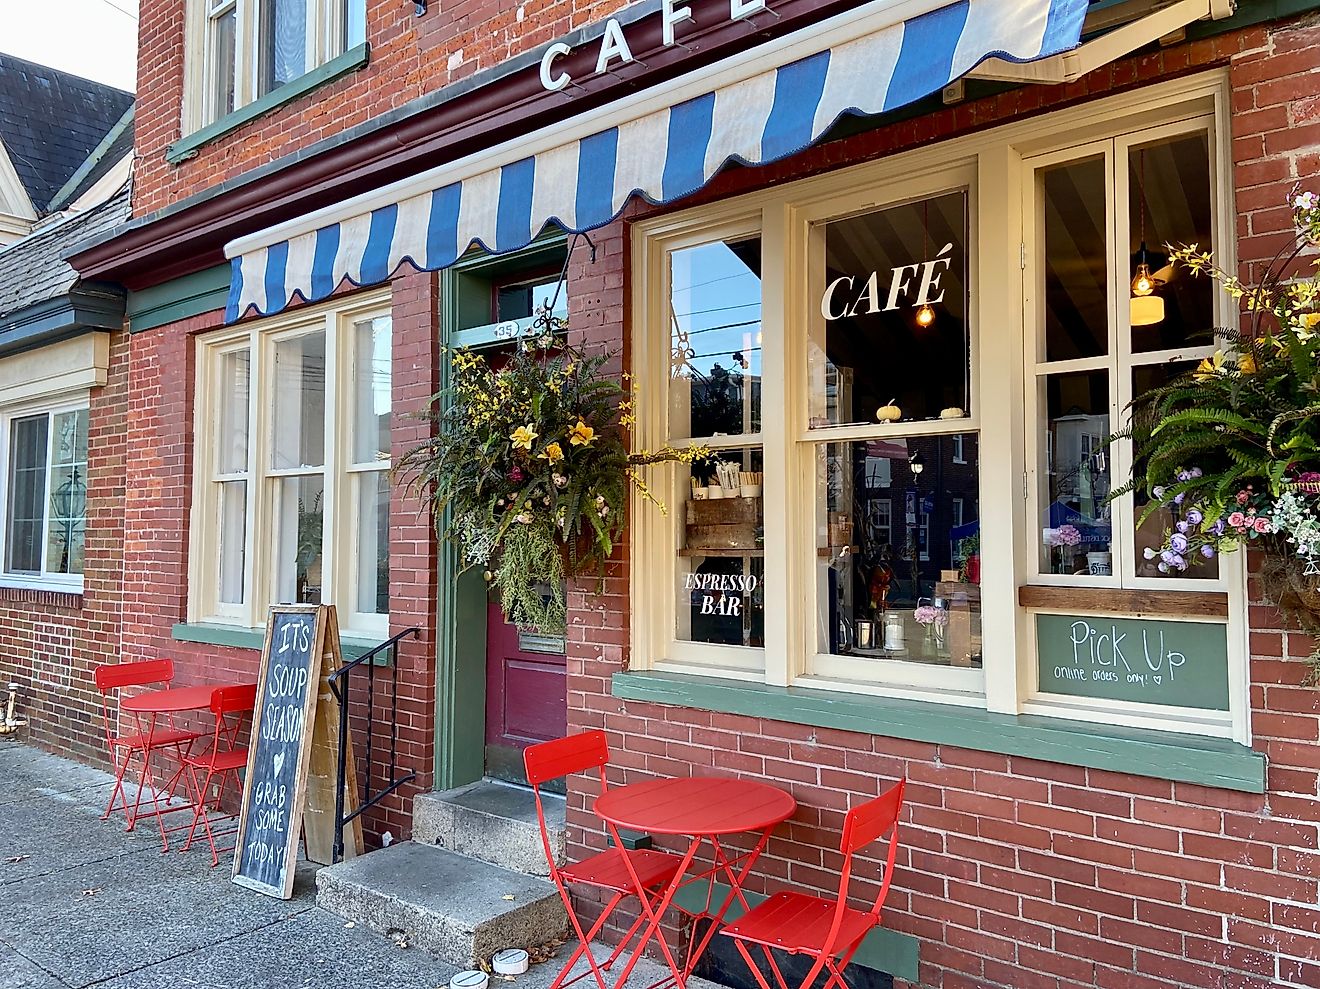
1129	26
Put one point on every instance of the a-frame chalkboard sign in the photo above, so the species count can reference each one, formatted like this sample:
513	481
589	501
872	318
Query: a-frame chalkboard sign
301	650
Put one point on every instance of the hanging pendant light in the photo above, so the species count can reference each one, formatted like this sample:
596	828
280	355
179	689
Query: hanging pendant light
925	312
925	315
1145	308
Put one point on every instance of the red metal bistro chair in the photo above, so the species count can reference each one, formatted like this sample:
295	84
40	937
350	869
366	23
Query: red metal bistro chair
125	747
222	760
829	931
606	870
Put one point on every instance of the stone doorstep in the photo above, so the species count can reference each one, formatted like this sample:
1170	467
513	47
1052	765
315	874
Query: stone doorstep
456	908
491	821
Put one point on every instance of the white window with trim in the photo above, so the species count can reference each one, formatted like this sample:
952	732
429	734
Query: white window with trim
913	369
241	50
292	447
44	452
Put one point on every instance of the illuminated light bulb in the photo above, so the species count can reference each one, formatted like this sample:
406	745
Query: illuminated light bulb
925	316
1142	283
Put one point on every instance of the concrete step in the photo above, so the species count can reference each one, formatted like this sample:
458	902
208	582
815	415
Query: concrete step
453	907
495	822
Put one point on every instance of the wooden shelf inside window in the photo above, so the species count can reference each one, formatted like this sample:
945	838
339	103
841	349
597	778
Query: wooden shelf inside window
721	552
1119	601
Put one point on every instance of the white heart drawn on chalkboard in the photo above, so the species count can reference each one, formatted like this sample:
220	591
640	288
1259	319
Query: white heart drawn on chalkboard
279	762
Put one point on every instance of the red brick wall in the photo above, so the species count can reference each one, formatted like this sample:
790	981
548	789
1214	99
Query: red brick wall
1014	872
49	642
410	56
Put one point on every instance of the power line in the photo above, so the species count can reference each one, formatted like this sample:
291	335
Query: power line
115	6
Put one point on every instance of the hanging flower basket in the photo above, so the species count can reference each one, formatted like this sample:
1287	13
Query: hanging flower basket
527	472
1230	452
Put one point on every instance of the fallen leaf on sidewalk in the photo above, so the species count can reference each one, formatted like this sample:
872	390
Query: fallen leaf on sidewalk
15	859
91	892
507	896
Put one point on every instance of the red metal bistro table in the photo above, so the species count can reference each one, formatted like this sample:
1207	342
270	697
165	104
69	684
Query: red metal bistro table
149	709
704	809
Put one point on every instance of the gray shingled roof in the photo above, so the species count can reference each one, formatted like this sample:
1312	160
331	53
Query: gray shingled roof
33	269
50	121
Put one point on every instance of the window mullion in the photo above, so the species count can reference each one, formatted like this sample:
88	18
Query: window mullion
782	496
257	587
1120	389
333	479
45	501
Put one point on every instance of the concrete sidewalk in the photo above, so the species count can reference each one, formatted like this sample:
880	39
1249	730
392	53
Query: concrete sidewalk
88	904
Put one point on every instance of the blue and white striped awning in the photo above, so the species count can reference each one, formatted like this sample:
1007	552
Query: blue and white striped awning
661	145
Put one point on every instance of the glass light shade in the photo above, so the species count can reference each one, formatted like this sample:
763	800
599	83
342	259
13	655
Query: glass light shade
1142	282
1146	310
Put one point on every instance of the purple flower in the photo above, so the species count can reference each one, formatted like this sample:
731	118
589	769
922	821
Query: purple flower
1178	543
1184	475
515	475
1208	551
1178	498
1167	556
1218	528
1157	492
1162	567
1148	553
1181	526
1195	472
1194	517
1179	562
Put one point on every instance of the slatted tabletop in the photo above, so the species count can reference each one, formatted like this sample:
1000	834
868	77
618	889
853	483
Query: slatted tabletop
699	805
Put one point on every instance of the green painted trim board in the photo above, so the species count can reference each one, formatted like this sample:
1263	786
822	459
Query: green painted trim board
255	638
883	950
350	61
179	298
1195	759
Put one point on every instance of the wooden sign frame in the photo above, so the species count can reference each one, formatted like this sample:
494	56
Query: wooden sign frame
322	623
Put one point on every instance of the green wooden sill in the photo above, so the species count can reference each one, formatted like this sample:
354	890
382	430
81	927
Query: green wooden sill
1161	755
255	638
350	61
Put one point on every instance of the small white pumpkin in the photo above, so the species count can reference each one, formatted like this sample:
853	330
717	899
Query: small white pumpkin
952	412
889	413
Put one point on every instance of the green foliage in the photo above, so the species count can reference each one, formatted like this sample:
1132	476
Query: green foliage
527	471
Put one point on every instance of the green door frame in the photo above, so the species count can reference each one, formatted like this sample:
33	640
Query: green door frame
460	654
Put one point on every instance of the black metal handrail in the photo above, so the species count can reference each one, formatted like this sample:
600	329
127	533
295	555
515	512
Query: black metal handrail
339	684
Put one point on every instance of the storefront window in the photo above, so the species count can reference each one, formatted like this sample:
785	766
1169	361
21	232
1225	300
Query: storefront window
46	494
898	550
892	343
715	340
1114	320
297	508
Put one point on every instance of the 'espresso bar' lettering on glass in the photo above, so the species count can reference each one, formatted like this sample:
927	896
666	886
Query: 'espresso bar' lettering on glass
1174	663
280	736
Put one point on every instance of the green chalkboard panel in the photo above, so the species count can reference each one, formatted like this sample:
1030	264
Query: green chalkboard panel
1148	661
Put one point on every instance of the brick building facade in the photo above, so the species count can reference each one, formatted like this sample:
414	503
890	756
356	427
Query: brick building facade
1015	869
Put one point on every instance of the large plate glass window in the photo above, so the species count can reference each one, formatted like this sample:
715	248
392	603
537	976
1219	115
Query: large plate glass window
1112	319
893	460
713	314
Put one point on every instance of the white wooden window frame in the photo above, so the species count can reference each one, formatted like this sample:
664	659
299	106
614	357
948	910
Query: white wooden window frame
50	408
327	24
996	160
339	505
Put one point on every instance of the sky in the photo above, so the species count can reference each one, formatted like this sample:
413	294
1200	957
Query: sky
96	39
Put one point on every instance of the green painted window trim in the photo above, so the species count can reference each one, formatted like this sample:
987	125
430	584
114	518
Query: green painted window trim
350	61
1182	758
883	950
254	638
179	298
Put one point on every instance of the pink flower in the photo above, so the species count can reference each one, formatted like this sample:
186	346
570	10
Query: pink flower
1237	520
1242	497
1261	525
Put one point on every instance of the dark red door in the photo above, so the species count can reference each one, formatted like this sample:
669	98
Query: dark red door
526	693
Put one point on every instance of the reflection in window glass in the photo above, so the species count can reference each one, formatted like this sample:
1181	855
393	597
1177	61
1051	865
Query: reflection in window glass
232	411
1151	535
721	572
233	541
25	515
67	531
898	550
1169	203
523	300
373	551
894	314
283	48
371	390
299	402
301	509
222	25
1076	534
1076	291
715	339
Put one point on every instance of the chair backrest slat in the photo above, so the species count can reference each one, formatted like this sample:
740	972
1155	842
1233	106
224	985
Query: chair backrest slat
863	825
564	756
112	676
233	699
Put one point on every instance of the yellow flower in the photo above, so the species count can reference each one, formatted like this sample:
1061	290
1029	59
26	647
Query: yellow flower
1246	364
581	434
1210	366
553	453
523	436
